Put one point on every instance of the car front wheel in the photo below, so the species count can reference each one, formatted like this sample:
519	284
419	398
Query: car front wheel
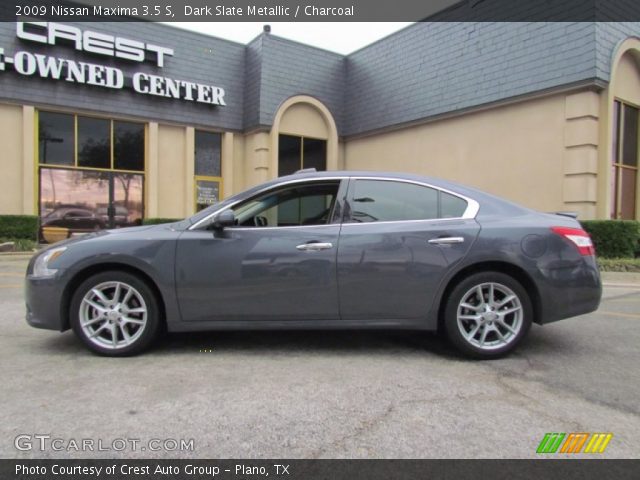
115	314
487	315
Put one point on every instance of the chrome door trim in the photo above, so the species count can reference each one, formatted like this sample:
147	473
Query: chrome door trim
446	240
314	246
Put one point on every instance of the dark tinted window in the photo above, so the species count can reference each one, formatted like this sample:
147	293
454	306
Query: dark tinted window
128	146
630	136
289	154
451	206
94	142
381	201
384	201
314	154
56	138
207	154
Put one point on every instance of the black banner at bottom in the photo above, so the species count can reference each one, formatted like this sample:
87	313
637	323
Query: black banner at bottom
317	469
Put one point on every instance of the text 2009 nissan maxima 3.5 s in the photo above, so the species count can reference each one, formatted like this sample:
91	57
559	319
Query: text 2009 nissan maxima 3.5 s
324	250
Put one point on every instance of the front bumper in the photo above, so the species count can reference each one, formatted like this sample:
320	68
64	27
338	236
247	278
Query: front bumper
43	297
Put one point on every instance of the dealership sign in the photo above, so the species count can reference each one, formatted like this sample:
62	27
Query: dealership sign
85	73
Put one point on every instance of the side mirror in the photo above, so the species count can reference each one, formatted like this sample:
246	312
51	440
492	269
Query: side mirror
224	219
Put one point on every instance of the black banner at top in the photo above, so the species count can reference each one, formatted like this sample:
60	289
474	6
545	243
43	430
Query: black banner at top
322	10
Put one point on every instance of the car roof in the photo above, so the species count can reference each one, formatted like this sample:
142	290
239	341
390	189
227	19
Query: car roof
491	203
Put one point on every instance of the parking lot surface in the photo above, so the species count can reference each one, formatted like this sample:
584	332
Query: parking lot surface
319	394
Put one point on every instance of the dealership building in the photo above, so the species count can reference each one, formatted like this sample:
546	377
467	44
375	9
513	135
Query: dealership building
133	120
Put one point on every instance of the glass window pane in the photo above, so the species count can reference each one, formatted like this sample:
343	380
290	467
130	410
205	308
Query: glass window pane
616	132
451	206
614	192
70	201
315	154
628	194
630	137
309	205
128	146
55	138
207	154
94	143
379	201
207	193
128	200
289	154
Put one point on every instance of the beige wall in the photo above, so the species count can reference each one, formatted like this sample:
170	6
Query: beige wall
171	171
517	151
11	177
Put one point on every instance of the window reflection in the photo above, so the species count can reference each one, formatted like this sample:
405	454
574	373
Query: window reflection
128	146
55	138
94	144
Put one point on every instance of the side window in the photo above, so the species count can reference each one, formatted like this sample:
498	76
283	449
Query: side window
385	201
451	206
289	207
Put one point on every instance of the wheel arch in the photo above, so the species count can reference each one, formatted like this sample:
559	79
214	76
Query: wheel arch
90	270
514	271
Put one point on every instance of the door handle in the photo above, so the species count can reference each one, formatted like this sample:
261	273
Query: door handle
314	246
446	240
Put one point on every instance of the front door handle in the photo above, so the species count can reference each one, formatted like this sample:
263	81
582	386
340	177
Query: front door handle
314	246
446	240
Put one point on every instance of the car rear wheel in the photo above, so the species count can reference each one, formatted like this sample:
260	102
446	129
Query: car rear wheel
115	314
487	315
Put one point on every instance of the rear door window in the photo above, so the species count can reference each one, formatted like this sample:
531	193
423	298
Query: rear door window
388	201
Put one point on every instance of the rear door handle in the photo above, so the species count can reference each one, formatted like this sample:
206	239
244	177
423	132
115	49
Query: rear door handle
446	240
314	246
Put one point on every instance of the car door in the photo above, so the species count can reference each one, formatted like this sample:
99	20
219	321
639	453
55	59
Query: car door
397	241
277	264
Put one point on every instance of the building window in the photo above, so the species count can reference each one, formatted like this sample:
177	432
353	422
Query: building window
207	168
624	175
91	174
296	153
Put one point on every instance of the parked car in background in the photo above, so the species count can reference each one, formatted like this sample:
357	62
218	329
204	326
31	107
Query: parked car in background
120	216
65	221
324	250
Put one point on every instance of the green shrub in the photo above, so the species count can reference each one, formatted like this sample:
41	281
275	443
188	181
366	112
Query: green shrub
21	244
619	264
156	221
614	238
19	226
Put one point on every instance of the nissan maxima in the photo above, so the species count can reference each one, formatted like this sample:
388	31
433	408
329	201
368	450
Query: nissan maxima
328	250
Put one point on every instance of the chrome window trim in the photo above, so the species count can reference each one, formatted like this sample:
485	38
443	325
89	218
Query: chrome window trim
470	212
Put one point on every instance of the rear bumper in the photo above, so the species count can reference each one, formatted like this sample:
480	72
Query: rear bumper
42	298
570	290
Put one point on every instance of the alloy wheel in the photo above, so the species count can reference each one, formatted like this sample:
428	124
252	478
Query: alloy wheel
490	316
113	315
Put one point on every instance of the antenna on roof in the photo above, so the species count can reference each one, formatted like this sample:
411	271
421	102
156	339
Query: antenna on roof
266	28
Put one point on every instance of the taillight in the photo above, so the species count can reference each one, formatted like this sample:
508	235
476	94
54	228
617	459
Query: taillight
578	237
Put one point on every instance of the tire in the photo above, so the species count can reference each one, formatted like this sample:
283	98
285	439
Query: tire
490	327
134	317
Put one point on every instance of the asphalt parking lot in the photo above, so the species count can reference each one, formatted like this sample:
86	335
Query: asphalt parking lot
321	394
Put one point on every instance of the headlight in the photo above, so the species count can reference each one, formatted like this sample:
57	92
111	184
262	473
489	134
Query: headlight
41	266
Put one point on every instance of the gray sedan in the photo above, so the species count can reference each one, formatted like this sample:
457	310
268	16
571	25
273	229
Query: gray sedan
324	251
